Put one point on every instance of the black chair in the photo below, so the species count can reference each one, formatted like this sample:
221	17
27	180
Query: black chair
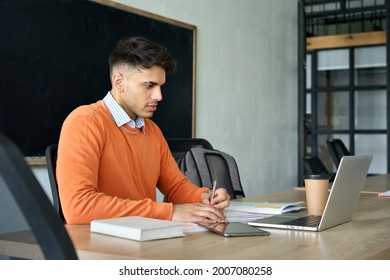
337	150
215	163
179	146
29	226
51	160
314	165
203	166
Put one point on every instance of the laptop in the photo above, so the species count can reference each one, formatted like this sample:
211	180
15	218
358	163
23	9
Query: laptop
341	204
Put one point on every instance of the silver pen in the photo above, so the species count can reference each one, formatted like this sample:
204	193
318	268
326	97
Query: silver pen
213	190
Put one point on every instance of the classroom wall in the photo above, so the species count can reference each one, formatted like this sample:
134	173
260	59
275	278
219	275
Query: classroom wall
246	88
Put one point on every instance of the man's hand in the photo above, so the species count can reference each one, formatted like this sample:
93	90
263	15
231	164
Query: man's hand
221	200
197	213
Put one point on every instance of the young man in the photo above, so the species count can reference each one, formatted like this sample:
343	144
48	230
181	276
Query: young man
111	156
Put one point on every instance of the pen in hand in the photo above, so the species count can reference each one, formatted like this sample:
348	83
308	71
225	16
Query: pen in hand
213	191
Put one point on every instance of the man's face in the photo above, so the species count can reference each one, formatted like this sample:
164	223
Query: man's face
141	91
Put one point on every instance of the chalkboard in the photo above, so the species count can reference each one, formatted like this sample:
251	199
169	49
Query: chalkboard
54	57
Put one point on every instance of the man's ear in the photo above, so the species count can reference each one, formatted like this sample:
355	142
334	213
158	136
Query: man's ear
117	81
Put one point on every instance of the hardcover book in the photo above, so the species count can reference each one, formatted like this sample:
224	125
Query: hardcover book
138	228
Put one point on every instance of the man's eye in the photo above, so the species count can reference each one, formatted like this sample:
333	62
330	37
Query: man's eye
148	85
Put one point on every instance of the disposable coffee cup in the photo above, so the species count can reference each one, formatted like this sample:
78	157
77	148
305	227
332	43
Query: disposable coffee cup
317	191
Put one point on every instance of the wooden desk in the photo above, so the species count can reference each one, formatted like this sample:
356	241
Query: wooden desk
377	184
366	237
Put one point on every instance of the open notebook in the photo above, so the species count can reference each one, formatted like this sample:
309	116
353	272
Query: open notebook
341	204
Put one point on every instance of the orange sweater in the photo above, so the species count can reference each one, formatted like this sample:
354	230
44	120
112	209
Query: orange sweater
104	171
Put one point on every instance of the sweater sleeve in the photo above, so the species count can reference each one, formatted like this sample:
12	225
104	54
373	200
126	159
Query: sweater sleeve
175	186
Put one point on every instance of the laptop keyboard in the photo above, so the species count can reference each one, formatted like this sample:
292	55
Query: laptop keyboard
309	221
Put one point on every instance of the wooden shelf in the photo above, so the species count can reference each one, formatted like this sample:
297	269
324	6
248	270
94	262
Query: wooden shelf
346	40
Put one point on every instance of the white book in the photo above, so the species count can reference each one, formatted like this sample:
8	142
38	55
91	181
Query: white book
138	228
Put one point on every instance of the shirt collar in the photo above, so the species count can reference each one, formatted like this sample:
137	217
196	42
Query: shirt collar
120	116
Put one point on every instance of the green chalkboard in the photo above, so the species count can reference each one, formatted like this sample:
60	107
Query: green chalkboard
54	57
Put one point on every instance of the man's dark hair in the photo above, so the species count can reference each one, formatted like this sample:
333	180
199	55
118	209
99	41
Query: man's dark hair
139	52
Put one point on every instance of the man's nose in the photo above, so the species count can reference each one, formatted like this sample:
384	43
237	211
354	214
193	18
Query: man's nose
157	95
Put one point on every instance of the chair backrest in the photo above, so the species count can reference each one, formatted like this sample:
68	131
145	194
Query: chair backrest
51	160
29	226
203	166
337	150
180	146
314	165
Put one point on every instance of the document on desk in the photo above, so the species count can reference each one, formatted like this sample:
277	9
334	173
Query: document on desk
193	227
273	208
240	216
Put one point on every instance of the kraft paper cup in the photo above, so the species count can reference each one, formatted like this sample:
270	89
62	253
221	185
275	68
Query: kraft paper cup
317	186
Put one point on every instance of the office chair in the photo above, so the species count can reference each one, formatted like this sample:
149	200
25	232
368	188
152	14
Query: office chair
217	165
337	150
179	146
51	160
29	226
203	166
314	165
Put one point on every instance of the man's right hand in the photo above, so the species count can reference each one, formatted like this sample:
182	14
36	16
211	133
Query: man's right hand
197	213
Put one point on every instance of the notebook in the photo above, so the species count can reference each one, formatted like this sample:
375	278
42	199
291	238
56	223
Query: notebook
341	204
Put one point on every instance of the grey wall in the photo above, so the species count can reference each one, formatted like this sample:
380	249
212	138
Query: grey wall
246	89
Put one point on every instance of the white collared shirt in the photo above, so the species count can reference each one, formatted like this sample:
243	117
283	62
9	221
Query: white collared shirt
120	116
